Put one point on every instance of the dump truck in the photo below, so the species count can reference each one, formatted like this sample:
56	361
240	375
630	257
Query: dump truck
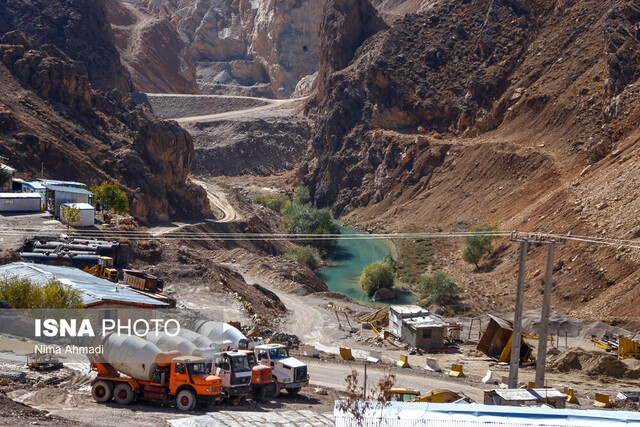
132	368
288	373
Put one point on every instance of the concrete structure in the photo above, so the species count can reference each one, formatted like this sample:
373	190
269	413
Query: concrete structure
20	202
57	195
417	327
525	396
36	187
96	292
426	414
87	214
7	186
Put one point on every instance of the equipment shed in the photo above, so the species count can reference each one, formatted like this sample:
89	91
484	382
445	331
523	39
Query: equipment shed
57	195
87	214
19	202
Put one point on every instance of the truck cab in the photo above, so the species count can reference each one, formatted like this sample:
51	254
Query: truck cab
261	376
403	394
234	370
191	372
288	373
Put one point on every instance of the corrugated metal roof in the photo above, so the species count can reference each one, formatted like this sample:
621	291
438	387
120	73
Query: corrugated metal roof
94	289
7	167
19	195
424	414
528	393
81	206
68	189
35	185
430	321
62	183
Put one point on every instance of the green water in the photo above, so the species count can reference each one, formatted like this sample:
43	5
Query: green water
351	256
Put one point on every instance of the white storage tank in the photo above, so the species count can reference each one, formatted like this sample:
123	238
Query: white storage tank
86	215
134	356
20	202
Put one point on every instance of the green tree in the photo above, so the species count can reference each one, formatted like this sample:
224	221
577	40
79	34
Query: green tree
440	288
274	202
301	195
5	176
305	255
70	214
375	276
22	293
306	219
477	246
113	197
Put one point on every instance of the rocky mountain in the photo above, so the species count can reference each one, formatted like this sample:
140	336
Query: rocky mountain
517	112
262	47
52	119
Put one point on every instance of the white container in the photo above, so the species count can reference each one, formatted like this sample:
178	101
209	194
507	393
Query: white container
19	202
86	214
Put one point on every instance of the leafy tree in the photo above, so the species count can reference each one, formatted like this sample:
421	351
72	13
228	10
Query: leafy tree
305	255
5	176
391	262
375	276
440	288
301	195
71	215
114	198
306	219
274	202
24	293
475	247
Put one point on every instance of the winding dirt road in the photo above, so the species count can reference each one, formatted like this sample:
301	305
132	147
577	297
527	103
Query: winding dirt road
219	202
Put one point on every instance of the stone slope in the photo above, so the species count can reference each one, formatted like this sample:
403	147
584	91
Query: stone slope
488	112
51	118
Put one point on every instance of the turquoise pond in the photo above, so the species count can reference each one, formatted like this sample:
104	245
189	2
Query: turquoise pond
351	256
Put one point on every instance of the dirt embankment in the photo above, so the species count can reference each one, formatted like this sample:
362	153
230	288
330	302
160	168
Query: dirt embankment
594	364
180	106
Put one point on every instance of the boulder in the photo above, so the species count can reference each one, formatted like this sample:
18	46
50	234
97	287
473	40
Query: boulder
383	294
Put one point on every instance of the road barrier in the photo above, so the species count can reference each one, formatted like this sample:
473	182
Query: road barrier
404	361
571	395
602	401
456	371
346	354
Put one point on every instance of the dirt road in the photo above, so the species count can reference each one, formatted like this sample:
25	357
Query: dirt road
221	207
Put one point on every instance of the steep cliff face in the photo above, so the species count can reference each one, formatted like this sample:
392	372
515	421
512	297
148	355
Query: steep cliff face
78	28
476	111
261	47
53	119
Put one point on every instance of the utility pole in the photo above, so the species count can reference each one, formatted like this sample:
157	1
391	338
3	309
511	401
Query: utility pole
544	317
541	362
516	337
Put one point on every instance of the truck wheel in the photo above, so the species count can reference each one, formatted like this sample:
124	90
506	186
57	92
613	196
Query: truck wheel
102	391
186	400
274	388
260	393
123	394
294	391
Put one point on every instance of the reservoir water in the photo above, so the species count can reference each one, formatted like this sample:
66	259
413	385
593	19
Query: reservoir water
351	256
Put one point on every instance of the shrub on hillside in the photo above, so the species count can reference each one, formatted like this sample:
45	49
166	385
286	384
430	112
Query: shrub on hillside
440	288
476	246
272	201
375	276
305	255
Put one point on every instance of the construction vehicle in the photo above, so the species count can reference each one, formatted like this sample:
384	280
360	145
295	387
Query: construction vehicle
433	396
132	368
43	362
234	370
262	381
104	269
288	373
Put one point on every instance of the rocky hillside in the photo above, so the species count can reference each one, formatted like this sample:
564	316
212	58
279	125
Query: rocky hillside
51	118
517	112
258	48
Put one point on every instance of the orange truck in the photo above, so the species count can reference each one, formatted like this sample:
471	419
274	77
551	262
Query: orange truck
261	376
132	368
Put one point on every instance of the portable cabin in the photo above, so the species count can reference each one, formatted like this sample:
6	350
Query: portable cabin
19	202
57	195
86	215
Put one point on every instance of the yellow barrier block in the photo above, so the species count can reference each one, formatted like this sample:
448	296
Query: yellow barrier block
456	371
571	395
346	354
602	401
404	361
532	384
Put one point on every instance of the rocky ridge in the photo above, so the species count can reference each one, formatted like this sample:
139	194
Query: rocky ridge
521	113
